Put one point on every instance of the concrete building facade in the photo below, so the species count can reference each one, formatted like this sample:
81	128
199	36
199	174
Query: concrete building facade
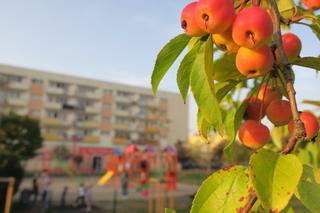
94	114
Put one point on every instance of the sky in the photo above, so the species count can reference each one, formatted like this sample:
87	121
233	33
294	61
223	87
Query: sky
114	40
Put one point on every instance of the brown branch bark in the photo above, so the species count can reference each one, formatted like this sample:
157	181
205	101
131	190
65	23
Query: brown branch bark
299	129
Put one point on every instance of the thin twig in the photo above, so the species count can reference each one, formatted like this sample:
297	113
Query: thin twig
299	129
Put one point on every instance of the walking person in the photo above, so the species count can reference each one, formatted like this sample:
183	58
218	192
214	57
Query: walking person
125	184
35	189
45	182
88	198
63	197
80	200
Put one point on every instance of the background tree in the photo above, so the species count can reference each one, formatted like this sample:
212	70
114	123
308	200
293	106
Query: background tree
20	137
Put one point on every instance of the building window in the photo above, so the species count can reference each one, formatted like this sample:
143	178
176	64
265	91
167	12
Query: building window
37	81
35	113
107	105
57	99
122	134
13	94
106	120
124	94
86	89
107	91
36	97
61	85
122	106
105	133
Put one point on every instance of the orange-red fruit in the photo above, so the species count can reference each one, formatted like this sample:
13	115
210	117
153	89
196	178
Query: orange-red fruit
311	124
279	112
252	27
215	16
312	4
253	109
188	21
254	62
225	42
291	46
253	134
268	94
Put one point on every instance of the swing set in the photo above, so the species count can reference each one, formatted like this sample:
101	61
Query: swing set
8	192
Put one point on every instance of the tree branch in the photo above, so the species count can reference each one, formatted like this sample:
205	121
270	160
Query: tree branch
299	129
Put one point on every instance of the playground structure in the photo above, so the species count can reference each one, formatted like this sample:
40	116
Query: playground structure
8	192
152	172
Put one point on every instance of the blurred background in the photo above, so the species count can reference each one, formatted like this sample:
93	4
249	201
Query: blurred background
81	129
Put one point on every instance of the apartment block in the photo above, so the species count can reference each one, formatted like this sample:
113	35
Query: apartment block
95	114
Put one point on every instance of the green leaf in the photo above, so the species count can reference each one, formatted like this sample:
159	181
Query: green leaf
275	178
202	126
288	209
278	135
203	89
286	7
225	68
315	27
183	74
226	190
236	124
223	88
308	191
167	210
311	102
167	57
310	62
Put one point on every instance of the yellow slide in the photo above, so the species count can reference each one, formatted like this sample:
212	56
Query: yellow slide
105	178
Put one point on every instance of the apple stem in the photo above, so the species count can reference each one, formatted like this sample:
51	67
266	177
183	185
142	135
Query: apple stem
241	5
263	96
285	68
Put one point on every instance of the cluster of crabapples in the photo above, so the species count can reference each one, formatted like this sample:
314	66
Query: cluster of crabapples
248	33
268	102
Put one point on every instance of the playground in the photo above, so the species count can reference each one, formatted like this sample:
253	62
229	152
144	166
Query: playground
103	198
145	177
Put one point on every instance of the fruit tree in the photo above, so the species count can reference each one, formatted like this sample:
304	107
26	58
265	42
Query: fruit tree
234	46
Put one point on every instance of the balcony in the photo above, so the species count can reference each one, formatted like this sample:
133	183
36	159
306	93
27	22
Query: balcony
152	129
90	124
123	99
91	139
19	85
89	95
53	105
152	116
56	90
54	122
120	141
16	102
93	110
121	126
122	113
51	137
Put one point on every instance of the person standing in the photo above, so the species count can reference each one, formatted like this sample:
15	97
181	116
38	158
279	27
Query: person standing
63	197
45	182
80	200
125	184
35	189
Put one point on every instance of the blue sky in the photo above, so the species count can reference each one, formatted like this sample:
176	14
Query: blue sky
114	40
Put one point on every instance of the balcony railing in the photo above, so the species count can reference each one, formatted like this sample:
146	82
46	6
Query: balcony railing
19	85
89	124
93	109
91	139
16	102
54	122
51	137
120	141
